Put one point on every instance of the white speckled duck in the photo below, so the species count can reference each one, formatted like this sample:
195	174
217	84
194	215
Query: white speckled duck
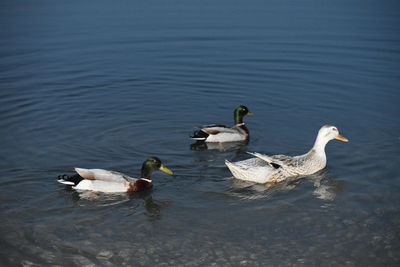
276	168
112	182
219	133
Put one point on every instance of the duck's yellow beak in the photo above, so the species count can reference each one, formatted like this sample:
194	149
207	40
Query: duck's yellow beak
250	113
341	138
165	169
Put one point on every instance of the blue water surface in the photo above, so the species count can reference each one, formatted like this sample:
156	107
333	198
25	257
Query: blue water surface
101	84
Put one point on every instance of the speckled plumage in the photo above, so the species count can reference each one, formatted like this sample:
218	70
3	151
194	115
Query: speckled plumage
276	168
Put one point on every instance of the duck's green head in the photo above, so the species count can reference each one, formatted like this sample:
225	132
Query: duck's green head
240	112
152	164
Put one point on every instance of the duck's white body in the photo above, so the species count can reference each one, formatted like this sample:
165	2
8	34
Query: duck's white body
265	169
104	181
102	186
222	133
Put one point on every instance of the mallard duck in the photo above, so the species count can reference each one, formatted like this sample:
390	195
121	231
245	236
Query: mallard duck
273	169
110	181
222	133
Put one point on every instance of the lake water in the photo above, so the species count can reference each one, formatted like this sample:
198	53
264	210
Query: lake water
106	84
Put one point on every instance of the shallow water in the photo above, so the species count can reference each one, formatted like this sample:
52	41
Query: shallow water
103	85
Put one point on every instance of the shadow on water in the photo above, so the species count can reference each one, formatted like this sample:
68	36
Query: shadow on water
325	188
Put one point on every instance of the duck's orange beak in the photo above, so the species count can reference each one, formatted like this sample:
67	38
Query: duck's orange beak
341	138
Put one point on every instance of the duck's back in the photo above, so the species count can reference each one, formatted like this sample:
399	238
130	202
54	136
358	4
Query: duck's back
103	175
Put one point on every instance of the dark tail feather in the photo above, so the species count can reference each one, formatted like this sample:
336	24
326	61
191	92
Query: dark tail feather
69	180
199	135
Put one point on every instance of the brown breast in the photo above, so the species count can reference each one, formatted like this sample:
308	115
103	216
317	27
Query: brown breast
243	126
139	185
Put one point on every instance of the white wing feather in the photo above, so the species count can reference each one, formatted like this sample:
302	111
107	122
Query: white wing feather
274	159
104	175
261	156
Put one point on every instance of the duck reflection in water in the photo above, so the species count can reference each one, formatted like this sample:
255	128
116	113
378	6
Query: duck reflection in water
201	145
152	208
325	187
